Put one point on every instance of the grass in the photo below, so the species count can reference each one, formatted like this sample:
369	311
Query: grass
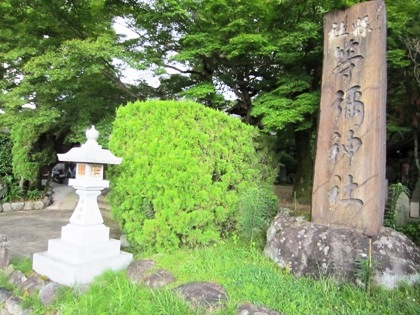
246	275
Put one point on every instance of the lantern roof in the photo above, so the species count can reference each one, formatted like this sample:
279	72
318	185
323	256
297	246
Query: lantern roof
90	152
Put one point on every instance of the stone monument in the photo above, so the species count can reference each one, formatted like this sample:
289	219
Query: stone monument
349	184
84	249
349	181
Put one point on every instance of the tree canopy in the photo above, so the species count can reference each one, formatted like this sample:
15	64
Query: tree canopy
260	59
56	75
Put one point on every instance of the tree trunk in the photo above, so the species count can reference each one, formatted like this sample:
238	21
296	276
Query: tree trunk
304	173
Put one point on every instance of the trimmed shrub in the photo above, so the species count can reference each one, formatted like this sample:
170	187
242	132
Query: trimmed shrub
184	167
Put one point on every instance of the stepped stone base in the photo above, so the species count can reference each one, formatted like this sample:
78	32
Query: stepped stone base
82	253
71	274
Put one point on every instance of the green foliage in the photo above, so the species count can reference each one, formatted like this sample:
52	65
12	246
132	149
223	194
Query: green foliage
34	194
11	192
184	167
365	269
412	231
5	155
22	264
114	294
246	275
57	57
257	206
394	191
31	149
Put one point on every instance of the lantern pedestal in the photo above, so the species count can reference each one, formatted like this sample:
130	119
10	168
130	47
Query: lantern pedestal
84	250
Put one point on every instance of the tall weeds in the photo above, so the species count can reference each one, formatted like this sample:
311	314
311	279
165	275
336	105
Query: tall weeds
257	206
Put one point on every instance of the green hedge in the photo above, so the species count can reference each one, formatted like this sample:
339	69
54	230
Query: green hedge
184	168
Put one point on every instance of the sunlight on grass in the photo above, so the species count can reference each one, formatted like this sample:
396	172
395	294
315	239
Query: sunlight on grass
246	275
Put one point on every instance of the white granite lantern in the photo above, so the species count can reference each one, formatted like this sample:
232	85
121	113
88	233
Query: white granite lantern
84	250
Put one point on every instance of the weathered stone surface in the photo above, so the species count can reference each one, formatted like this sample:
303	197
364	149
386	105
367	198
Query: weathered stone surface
124	241
7	207
38	205
349	179
138	270
206	295
46	201
48	293
4	251
250	309
309	249
7	271
17	277
4	295
32	284
29	205
402	210
159	279
13	305
17	206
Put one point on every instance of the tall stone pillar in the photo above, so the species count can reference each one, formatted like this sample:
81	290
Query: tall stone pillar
349	183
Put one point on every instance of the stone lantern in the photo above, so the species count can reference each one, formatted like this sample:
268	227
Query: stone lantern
84	249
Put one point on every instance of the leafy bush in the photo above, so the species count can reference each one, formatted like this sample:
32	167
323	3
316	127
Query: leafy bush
184	166
5	156
11	190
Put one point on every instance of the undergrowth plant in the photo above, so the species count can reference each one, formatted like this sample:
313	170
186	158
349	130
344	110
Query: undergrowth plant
184	167
246	276
257	206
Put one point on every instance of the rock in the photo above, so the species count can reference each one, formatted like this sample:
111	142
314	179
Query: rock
17	206
17	278
398	258
209	296
124	241
14	306
7	207
250	309
46	201
48	293
7	271
1	208
402	209
139	269
32	284
4	251
4	295
309	249
159	279
29	205
38	205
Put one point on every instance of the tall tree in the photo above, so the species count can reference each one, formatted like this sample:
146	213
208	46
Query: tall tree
403	106
56	58
266	53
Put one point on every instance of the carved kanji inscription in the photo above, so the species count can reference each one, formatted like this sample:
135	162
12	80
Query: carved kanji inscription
349	182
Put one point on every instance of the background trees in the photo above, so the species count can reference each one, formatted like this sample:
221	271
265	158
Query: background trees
56	57
267	54
259	59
